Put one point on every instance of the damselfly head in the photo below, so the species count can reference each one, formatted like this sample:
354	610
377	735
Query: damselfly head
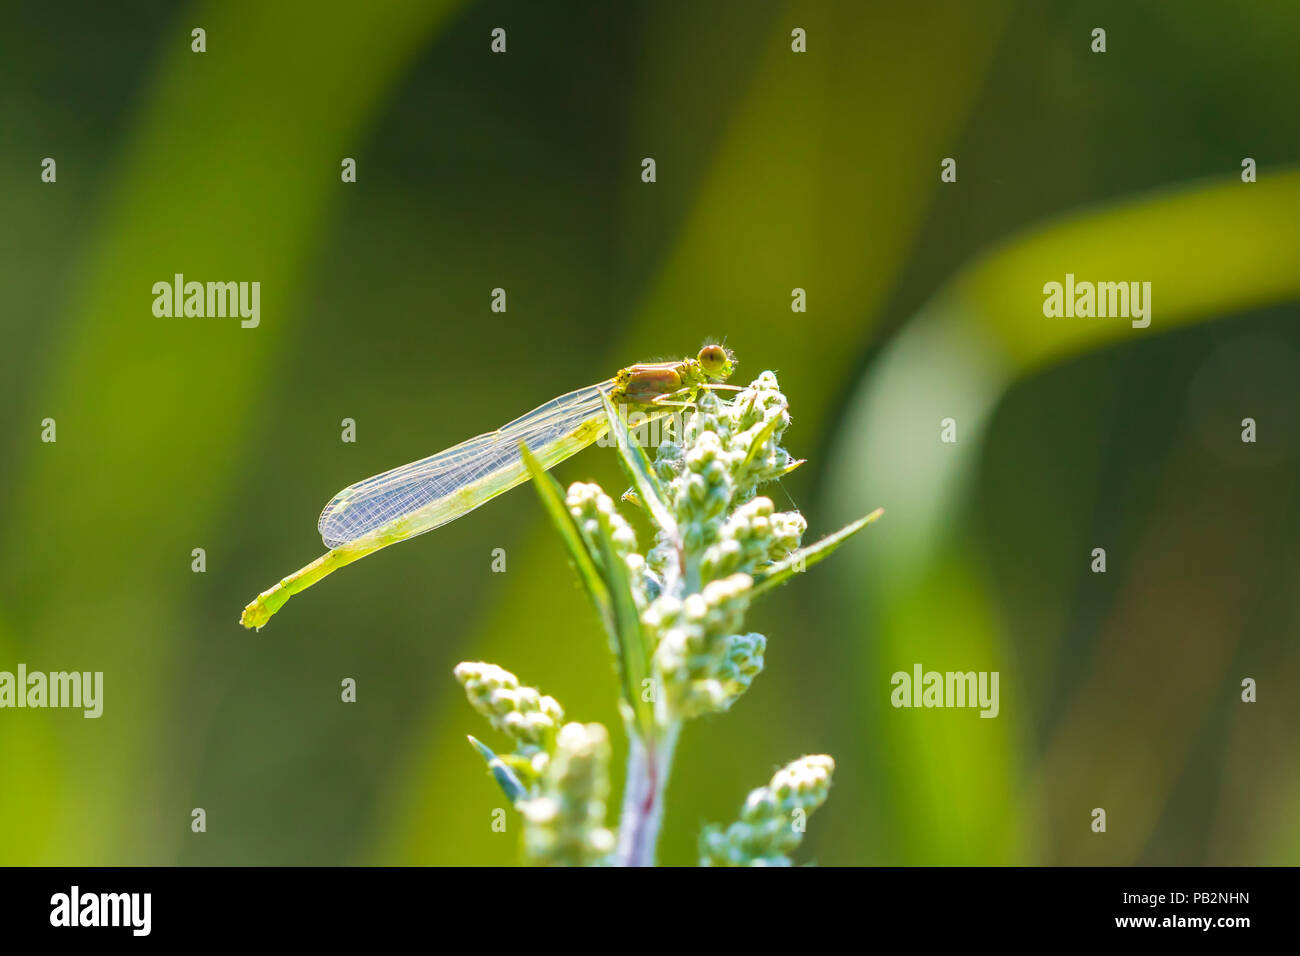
717	361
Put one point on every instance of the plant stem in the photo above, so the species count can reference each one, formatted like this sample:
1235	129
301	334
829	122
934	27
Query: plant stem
649	761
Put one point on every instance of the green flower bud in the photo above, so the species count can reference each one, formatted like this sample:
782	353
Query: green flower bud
742	661
774	817
521	712
750	537
691	643
788	528
669	461
596	517
565	824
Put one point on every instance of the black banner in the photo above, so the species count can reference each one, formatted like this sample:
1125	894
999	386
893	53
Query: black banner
213	905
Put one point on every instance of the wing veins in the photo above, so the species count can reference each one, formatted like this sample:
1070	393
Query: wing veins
364	507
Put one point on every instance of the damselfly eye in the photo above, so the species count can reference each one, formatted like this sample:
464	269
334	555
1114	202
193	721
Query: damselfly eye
714	360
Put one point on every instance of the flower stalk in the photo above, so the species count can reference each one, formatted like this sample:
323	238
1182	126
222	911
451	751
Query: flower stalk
649	762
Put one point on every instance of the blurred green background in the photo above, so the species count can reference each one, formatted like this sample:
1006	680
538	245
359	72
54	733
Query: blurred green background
775	170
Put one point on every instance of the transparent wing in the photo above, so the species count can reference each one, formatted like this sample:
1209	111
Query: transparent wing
425	494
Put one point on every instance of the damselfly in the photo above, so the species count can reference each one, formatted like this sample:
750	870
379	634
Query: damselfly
427	494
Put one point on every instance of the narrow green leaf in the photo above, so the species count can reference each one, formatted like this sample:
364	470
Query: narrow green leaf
639	471
804	558
551	492
504	776
760	440
605	578
634	660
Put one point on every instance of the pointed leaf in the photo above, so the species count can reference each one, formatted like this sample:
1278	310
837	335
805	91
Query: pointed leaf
761	438
644	481
634	660
551	492
802	559
504	776
605	577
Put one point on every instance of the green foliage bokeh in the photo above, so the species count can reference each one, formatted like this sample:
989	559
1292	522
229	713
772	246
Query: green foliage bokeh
775	170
